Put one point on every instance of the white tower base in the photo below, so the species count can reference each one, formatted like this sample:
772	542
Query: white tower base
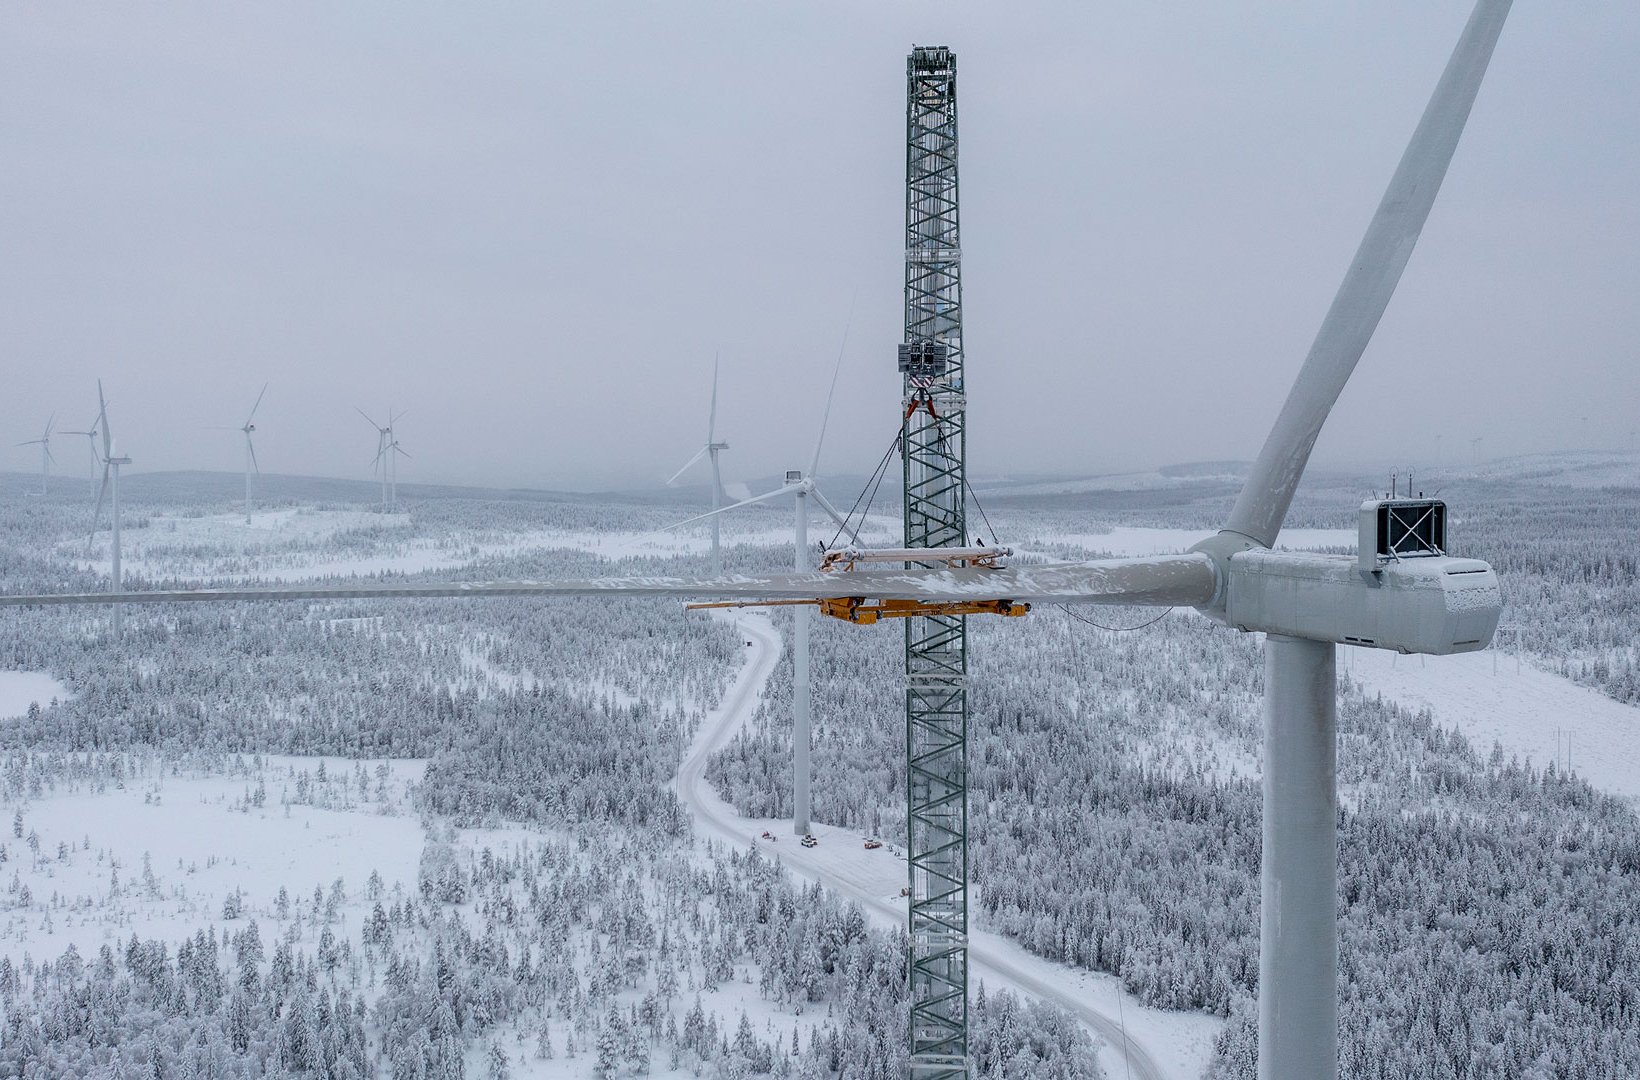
1298	933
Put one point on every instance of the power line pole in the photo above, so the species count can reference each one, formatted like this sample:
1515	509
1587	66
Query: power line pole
933	449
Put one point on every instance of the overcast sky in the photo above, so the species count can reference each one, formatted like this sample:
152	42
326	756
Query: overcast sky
533	225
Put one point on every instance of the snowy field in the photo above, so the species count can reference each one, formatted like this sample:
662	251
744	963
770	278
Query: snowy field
159	855
1495	698
302	544
20	689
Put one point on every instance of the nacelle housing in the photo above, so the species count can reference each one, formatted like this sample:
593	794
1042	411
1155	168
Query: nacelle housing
1435	605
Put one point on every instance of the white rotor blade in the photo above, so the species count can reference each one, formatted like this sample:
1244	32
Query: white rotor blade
102	492
102	422
1159	581
702	452
711	419
1368	285
836	370
252	448
842	523
367	418
765	497
258	405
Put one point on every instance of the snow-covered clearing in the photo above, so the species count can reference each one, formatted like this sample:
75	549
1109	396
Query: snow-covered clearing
1499	698
304	544
20	689
1160	1045
159	855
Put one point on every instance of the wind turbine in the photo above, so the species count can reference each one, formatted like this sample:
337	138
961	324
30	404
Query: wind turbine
801	486
46	457
388	451
91	437
110	487
1419	601
711	450
247	428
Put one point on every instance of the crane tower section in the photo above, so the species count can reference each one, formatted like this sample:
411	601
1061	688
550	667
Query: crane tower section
933	446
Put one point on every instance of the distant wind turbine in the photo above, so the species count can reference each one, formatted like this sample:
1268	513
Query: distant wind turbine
46	458
801	486
388	451
111	488
247	429
711	450
91	437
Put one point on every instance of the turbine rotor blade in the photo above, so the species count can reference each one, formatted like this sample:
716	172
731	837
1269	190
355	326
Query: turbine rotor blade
258	405
702	452
252	448
102	422
711	420
836	370
1155	581
842	523
96	512
367	418
765	497
1369	283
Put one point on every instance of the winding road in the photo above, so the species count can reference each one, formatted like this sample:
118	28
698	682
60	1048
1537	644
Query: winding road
1000	961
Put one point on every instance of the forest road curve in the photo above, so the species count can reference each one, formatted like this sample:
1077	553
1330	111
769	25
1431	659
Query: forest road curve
715	817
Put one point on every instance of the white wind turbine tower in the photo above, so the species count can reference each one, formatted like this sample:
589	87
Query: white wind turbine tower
710	450
801	486
1401	592
111	488
91	437
46	457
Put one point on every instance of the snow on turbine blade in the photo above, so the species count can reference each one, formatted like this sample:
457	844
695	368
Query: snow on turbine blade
1369	283
1158	581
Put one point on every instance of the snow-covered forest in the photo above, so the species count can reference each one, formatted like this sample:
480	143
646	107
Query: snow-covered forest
445	838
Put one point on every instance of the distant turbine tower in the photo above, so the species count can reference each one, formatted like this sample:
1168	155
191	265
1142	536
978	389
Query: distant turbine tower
46	458
388	451
91	437
711	449
110	487
801	486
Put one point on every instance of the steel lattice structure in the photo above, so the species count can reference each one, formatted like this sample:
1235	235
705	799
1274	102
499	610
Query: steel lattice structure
933	448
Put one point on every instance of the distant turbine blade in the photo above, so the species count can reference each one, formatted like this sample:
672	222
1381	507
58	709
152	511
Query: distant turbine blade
50	420
367	418
258	405
825	504
1157	581
688	464
765	497
1368	285
102	422
837	369
401	450
711	420
102	492
251	446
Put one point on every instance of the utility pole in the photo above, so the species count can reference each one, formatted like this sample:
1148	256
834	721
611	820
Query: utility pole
933	448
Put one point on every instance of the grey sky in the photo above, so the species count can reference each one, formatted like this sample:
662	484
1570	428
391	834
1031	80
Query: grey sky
532	225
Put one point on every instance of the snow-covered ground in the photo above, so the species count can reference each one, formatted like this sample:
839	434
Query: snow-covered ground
291	544
1494	697
1160	1045
20	689
158	855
